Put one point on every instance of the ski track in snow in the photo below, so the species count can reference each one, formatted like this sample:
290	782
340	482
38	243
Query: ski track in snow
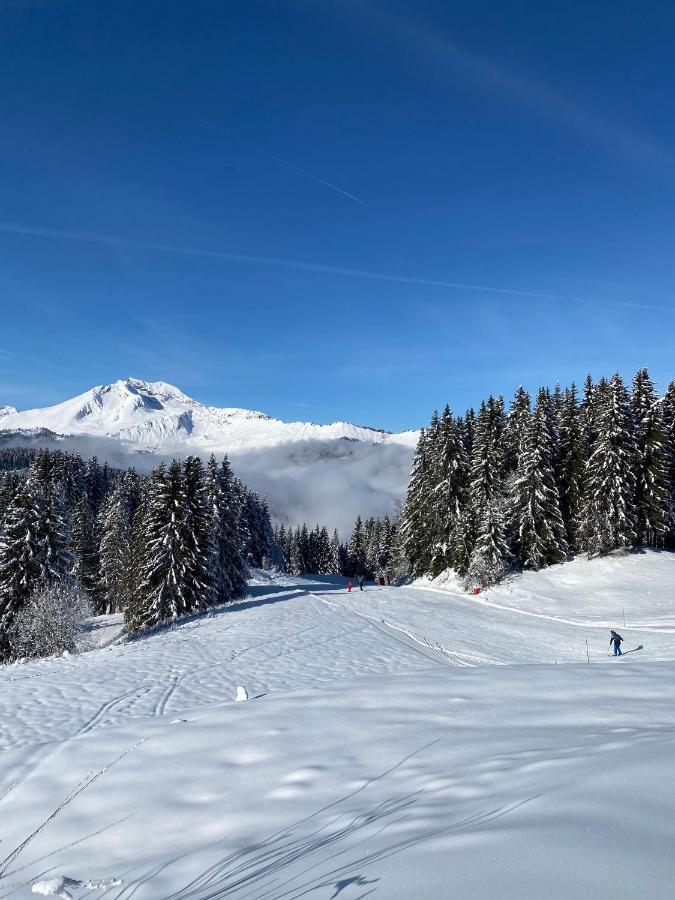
397	741
273	650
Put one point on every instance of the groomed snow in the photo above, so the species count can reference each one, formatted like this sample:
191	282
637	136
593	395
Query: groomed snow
602	592
380	752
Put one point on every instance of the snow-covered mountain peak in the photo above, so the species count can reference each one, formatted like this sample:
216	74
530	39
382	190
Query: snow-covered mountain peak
158	389
154	415
134	393
7	410
109	408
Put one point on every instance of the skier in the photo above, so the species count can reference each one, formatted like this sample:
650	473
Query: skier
349	588
360	582
616	639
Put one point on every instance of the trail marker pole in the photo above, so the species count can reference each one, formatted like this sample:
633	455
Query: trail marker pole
624	617
588	658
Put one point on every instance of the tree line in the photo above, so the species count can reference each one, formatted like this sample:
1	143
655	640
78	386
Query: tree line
372	550
154	547
545	480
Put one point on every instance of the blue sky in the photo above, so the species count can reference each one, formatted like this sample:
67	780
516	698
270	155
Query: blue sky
282	205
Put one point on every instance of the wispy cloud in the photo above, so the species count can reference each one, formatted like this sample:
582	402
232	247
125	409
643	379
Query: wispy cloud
319	268
285	162
636	146
11	356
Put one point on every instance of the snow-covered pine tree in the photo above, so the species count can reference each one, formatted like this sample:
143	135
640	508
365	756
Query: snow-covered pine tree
261	529
86	563
669	421
344	560
314	549
539	528
462	540
133	586
310	552
68	472
554	409
586	416
21	568
557	400
9	484
356	550
469	430
324	553
371	528
433	478
335	556
200	533
243	520
385	550
450	468
572	466
280	540
517	423
229	572
654	486
55	556
652	494
487	462
610	521
255	528
289	551
489	554
170	575
95	477
40	471
274	561
297	562
398	565
305	548
416	526
642	398
117	568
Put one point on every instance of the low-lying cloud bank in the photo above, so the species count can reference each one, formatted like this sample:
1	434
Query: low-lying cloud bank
331	482
327	482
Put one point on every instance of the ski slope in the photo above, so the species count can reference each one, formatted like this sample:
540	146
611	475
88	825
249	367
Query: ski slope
396	743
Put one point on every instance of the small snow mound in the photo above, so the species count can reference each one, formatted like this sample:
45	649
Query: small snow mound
242	693
62	886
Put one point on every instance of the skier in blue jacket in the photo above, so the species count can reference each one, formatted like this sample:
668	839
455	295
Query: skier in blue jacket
615	639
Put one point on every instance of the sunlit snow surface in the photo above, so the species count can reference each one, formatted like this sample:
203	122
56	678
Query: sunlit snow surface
380	752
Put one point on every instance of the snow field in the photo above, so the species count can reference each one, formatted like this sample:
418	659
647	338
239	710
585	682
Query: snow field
599	592
381	752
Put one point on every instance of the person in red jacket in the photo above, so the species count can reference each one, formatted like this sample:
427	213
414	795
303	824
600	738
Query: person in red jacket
349	587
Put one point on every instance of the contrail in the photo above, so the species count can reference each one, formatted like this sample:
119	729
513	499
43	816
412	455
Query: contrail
286	162
485	73
112	241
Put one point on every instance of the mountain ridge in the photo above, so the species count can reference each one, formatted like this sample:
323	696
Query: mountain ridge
158	416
